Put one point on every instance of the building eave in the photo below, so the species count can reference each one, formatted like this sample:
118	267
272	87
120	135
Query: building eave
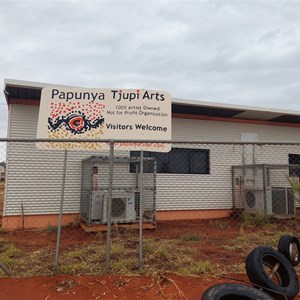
28	92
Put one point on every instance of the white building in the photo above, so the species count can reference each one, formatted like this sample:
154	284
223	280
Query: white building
200	186
2	171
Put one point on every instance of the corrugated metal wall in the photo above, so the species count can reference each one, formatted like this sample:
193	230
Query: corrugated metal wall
34	176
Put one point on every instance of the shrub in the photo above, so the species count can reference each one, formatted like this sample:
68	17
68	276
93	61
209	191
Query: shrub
255	219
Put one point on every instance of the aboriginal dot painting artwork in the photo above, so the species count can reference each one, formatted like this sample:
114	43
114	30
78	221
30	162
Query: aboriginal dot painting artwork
81	120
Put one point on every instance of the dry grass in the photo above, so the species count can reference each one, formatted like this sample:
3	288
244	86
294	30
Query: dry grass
159	256
180	255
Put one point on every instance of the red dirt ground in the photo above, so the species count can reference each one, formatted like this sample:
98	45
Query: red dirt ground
68	287
165	286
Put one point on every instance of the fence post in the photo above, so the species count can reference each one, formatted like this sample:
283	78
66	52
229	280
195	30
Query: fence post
154	192
141	211
62	194
265	189
233	187
109	200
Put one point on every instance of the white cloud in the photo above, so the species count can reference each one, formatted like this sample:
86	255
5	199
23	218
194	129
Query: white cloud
242	52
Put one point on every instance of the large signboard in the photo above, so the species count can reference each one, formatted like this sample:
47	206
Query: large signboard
105	114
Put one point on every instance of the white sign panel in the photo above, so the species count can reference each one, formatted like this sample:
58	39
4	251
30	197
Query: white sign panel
105	114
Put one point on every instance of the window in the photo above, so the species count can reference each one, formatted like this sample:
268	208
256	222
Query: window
178	161
294	159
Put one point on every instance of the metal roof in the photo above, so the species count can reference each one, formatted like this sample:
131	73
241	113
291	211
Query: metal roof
27	90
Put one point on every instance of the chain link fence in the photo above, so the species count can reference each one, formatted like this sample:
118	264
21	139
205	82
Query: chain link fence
266	188
78	205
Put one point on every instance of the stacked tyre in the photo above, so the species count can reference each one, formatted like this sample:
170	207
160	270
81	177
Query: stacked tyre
270	271
234	291
289	246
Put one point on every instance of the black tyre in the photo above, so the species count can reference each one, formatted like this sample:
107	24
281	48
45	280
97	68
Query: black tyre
269	268
233	291
289	246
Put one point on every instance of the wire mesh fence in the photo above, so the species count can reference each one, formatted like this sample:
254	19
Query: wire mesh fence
266	188
89	206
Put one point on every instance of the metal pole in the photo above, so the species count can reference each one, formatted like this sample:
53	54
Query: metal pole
265	190
109	200
233	188
141	211
154	192
60	212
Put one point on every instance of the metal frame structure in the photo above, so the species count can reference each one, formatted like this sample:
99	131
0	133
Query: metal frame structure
126	190
264	188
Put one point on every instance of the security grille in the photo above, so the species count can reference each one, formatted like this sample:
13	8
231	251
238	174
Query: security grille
118	208
269	192
126	190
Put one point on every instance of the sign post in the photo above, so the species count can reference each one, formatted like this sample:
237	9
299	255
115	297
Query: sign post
62	195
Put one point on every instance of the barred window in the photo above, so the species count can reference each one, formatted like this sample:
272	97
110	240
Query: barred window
294	159
178	161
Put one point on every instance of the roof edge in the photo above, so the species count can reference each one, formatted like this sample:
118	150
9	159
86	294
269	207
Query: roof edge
29	84
40	85
233	106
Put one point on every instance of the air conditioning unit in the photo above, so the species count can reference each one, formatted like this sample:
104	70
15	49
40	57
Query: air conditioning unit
256	201
122	208
283	201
